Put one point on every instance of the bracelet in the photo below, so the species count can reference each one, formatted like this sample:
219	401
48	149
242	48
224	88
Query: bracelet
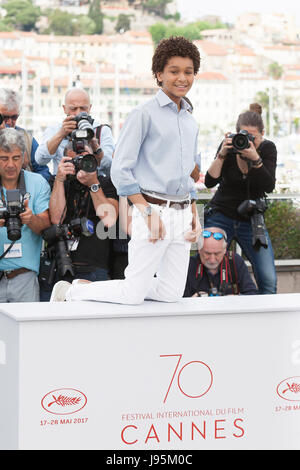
257	162
221	157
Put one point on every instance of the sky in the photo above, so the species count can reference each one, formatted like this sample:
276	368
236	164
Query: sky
228	10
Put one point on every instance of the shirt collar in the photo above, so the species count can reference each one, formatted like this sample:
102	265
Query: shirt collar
164	100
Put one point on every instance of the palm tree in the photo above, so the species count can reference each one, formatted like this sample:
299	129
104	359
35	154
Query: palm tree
275	72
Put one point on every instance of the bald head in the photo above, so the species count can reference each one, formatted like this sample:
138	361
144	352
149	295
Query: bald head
77	101
212	251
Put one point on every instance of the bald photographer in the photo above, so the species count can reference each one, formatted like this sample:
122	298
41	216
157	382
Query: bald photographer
83	208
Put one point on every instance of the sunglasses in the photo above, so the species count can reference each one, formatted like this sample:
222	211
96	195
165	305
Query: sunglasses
216	235
14	117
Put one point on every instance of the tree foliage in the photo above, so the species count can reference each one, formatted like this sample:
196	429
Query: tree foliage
66	24
158	7
275	71
286	243
123	23
96	15
21	14
191	31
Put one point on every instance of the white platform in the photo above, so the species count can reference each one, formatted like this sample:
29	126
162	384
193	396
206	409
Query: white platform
208	373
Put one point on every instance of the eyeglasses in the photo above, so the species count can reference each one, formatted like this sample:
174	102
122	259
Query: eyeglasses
14	117
215	235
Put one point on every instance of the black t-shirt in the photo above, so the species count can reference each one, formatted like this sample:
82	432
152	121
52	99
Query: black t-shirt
91	251
234	188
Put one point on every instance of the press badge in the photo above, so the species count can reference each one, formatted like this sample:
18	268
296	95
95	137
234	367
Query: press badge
14	252
73	244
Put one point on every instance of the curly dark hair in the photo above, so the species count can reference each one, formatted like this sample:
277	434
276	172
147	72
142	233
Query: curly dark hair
172	47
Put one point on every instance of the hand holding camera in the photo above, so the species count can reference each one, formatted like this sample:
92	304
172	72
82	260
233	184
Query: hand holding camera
68	126
225	147
26	216
65	168
87	178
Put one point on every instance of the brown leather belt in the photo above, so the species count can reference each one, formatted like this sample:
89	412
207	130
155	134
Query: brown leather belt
13	273
162	202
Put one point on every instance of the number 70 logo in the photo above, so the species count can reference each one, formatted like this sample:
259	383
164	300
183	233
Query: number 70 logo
194	378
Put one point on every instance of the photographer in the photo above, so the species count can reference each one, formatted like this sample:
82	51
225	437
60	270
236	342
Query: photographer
244	168
214	272
56	138
23	216
10	108
78	196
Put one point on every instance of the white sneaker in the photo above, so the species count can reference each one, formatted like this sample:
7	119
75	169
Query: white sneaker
59	291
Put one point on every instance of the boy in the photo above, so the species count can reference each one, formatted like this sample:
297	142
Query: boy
154	158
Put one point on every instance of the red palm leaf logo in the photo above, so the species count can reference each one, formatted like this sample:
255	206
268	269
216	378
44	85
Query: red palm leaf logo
64	401
289	389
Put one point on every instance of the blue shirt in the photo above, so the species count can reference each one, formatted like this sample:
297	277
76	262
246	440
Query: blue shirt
39	191
156	149
41	169
42	155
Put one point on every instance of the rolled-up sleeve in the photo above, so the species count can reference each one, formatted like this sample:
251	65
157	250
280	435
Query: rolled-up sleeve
42	155
127	152
107	145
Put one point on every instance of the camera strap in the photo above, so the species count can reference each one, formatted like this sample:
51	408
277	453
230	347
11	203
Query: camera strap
7	250
233	272
227	272
98	132
22	187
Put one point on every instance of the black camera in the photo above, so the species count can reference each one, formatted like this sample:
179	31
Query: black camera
1	119
241	140
224	289
80	138
11	213
213	292
255	210
59	238
86	163
83	133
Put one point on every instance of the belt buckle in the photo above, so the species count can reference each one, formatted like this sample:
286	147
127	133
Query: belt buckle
5	273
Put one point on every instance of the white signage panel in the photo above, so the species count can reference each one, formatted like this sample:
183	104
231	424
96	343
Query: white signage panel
188	381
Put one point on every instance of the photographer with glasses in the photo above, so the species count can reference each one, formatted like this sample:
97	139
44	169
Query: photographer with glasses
244	168
10	109
214	272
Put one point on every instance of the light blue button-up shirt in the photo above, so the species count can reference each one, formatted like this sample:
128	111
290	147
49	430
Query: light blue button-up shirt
156	149
43	157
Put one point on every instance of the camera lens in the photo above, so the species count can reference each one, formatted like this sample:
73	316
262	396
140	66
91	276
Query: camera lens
13	228
88	163
240	142
84	125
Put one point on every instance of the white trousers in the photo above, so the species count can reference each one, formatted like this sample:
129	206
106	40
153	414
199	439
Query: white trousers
168	259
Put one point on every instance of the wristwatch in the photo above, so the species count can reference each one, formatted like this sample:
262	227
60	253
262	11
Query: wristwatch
147	211
95	187
98	151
